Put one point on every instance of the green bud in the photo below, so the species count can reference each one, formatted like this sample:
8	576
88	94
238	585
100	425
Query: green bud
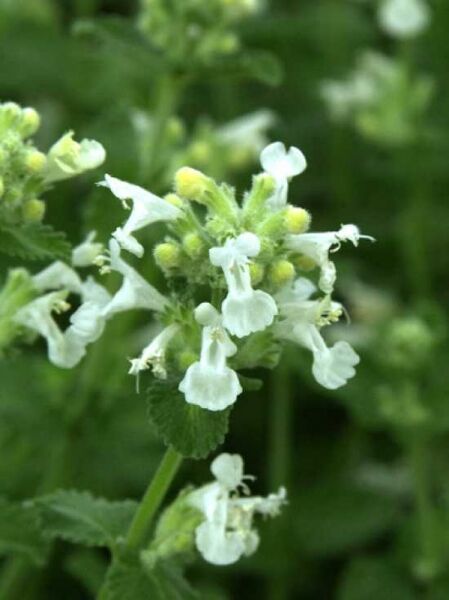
303	263
193	245
33	210
281	272
191	184
167	255
175	200
297	219
257	272
30	122
273	226
263	187
200	152
35	161
10	114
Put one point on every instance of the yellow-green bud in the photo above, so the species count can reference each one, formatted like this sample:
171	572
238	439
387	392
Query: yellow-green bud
281	272
257	272
240	156
186	358
297	219
304	263
193	245
175	129
175	200
33	210
2	187
167	255
200	152
191	183
35	161
30	122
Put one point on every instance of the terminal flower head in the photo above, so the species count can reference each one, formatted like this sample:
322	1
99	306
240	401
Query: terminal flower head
282	165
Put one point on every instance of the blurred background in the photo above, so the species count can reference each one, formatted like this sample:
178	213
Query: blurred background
365	98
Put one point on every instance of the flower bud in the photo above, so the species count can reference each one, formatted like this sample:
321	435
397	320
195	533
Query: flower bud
200	152
281	272
33	210
191	183
193	245
297	219
257	272
10	113
263	187
304	263
167	255
175	200
30	122
35	161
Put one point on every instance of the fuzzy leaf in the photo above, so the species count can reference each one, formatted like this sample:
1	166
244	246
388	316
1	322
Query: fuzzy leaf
80	518
33	242
194	432
131	581
20	533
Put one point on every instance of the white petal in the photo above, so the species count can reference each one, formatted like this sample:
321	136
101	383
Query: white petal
218	547
85	253
248	313
58	275
210	388
333	368
404	18
91	155
281	164
247	244
228	470
128	242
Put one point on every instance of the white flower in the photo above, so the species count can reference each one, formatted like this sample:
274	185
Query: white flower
332	367
282	165
85	253
68	158
154	354
248	131
209	382
317	246
404	18
135	291
63	351
147	208
87	323
227	532
56	276
244	310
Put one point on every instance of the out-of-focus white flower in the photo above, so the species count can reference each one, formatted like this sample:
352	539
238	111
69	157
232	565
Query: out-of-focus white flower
317	246
404	18
84	254
248	131
57	276
302	320
244	310
282	165
135	291
147	208
209	382
67	158
227	532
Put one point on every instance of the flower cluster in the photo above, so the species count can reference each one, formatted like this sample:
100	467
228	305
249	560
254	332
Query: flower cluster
226	532
203	29
381	98
26	172
236	275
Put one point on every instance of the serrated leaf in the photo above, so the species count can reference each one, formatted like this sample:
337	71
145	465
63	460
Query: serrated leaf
34	242
131	581
192	431
257	64
80	518
20	533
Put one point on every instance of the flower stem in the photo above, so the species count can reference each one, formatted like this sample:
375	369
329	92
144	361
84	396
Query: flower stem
153	497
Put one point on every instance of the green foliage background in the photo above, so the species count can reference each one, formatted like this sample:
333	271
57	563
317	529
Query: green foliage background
368	515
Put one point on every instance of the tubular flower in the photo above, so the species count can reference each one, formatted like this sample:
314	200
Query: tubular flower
301	321
209	382
244	310
154	354
147	208
318	246
85	254
68	158
227	532
282	165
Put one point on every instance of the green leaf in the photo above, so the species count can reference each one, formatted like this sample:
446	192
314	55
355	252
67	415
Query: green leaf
129	580
250	384
80	518
20	533
33	242
372	578
334	518
257	64
192	431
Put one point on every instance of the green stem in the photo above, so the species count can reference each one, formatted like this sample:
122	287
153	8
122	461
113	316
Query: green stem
153	497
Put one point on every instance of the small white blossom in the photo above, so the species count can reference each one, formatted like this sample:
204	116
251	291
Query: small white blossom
154	354
85	254
147	208
67	158
318	246
227	532
209	382
56	276
244	310
135	292
248	131
302	319
404	18
282	165
87	323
